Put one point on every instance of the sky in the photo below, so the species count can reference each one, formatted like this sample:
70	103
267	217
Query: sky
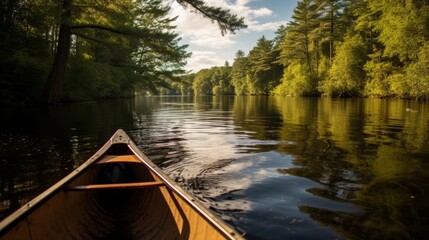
209	48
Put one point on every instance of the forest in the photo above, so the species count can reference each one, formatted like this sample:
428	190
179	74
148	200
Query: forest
80	50
334	48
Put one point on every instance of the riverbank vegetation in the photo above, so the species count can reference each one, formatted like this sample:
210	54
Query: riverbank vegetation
340	48
76	50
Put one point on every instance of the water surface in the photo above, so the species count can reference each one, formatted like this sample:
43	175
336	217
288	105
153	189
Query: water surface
272	167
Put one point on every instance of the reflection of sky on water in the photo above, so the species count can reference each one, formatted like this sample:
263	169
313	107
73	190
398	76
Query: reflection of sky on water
216	147
234	175
293	168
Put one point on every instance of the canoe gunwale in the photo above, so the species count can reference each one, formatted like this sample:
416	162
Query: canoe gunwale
120	137
32	205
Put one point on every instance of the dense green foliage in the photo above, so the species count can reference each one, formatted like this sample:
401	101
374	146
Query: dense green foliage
239	71
81	50
213	81
342	48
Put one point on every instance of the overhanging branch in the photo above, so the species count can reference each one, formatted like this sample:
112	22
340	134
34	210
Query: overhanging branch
105	28
225	20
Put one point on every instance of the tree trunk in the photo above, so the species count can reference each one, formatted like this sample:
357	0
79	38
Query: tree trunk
54	85
8	21
331	37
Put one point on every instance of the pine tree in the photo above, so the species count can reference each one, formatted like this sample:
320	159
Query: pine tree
301	46
331	27
239	72
298	40
261	74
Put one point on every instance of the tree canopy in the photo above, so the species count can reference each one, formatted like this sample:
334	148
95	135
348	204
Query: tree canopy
82	50
97	48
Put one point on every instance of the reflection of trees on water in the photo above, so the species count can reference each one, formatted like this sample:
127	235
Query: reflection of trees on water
397	206
258	117
163	148
393	209
154	130
28	166
39	146
370	153
363	152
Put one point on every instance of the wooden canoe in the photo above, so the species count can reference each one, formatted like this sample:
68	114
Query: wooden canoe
118	193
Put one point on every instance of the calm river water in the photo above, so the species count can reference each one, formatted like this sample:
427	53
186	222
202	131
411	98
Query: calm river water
272	167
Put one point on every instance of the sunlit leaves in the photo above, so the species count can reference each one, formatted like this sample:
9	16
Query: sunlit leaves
418	75
239	72
301	48
213	81
346	75
295	81
403	27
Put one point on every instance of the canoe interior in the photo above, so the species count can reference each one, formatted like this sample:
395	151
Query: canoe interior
151	212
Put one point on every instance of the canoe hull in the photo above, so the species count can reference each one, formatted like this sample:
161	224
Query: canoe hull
91	203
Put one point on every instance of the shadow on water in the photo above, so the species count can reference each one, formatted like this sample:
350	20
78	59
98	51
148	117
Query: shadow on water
275	168
39	146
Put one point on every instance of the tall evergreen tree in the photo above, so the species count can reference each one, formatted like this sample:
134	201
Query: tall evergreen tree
239	72
301	46
331	27
262	76
298	40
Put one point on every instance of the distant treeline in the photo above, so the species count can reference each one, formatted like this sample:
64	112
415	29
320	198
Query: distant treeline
348	48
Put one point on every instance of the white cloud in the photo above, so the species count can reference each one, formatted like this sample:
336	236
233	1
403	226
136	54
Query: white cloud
261	12
201	32
213	42
258	27
204	59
